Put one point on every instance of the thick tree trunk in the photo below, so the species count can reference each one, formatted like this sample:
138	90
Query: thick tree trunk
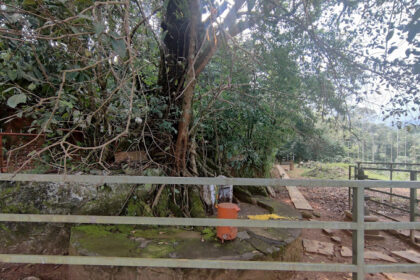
177	82
181	64
181	146
188	95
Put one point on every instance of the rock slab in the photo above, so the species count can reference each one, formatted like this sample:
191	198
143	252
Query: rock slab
371	255
400	276
346	252
409	255
318	247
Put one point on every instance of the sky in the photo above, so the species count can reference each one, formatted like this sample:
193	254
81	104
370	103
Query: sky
375	101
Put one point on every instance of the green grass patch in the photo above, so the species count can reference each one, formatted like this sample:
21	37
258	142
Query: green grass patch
340	171
384	175
318	170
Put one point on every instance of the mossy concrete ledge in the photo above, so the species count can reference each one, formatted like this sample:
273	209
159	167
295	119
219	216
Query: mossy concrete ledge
187	243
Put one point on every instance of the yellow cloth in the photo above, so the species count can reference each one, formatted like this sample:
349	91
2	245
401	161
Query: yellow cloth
266	217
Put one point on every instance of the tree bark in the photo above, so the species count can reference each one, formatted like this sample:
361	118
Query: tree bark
188	94
181	63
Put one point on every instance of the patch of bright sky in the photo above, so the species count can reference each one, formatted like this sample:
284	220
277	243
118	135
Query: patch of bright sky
375	101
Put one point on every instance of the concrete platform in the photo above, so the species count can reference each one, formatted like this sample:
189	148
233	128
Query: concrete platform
183	243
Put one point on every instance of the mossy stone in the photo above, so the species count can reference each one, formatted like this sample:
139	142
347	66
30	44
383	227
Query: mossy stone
162	207
175	209
196	205
102	240
184	243
244	195
111	205
258	190
123	241
138	207
9	204
160	232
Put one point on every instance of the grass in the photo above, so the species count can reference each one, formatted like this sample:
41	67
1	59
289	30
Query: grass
384	175
340	171
318	170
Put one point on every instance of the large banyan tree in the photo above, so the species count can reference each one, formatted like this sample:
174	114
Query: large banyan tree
199	87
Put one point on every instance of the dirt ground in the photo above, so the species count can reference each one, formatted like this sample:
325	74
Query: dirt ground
42	271
329	203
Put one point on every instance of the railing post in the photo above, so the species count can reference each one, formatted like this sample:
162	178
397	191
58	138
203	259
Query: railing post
349	188
358	235
390	178
413	204
1	153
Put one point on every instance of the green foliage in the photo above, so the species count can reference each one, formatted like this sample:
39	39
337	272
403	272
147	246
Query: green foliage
119	47
102	77
251	123
367	139
15	100
4	228
372	140
209	234
319	147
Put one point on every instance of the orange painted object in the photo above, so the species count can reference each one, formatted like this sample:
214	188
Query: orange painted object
227	211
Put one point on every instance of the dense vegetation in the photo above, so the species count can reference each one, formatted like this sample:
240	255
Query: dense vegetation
202	87
363	139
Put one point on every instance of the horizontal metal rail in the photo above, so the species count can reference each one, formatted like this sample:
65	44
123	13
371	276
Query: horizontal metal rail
178	263
393	194
100	179
387	169
413	210
390	205
377	268
383	215
416	212
358	226
388	163
205	264
119	220
82	219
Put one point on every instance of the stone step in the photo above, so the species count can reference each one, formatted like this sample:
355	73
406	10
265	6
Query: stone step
371	255
409	255
400	276
368	236
368	218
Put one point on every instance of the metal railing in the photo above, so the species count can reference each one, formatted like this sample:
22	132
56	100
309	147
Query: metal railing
412	208
358	266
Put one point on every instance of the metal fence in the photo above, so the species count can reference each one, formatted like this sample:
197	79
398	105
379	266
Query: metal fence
358	266
413	201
